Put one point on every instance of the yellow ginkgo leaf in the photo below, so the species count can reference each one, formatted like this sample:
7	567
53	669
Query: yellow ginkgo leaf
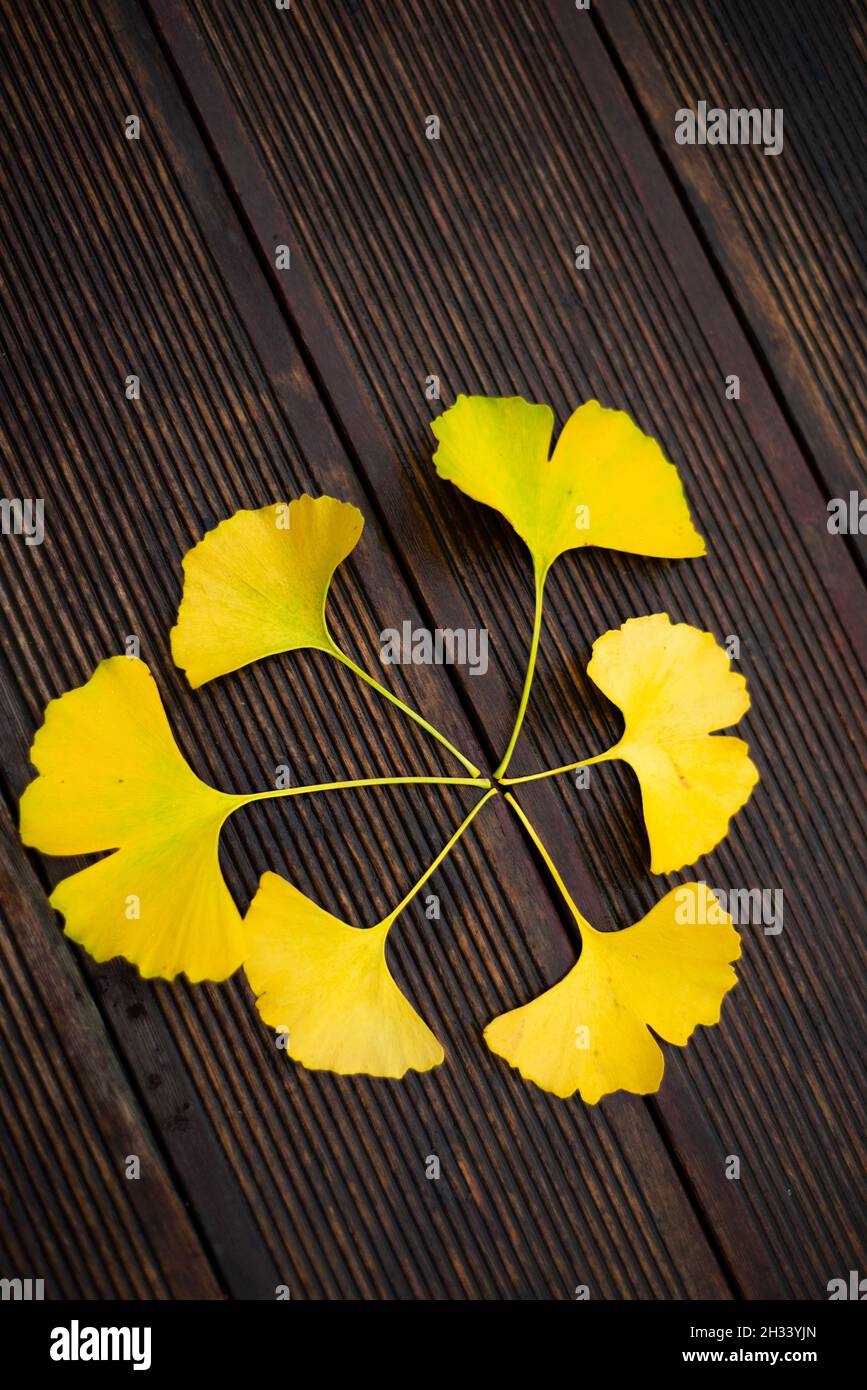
327	987
606	483
258	583
591	1032
674	686
112	778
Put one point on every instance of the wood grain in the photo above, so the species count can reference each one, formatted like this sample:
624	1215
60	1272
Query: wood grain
130	257
70	1122
455	257
787	231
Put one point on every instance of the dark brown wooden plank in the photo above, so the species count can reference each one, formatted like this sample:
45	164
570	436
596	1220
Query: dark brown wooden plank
70	1215
789	231
153	1056
455	257
130	254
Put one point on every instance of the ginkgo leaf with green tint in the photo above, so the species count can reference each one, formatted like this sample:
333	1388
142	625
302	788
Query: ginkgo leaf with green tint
674	686
326	985
606	483
591	1032
111	777
258	584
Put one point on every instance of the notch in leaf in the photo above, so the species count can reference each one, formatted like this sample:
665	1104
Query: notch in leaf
591	1032
606	483
675	688
111	777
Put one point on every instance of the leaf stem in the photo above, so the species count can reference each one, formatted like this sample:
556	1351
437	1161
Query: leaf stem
549	863
555	771
447	847
369	782
407	710
539	576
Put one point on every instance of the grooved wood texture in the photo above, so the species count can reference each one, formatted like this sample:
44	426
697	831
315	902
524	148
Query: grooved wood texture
70	1125
412	257
455	257
130	259
789	231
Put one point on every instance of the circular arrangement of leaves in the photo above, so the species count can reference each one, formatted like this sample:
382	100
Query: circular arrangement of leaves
111	777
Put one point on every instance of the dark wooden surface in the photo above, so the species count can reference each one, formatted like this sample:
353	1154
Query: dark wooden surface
788	234
412	257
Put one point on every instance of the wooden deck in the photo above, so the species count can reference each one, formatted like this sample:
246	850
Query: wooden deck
412	257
